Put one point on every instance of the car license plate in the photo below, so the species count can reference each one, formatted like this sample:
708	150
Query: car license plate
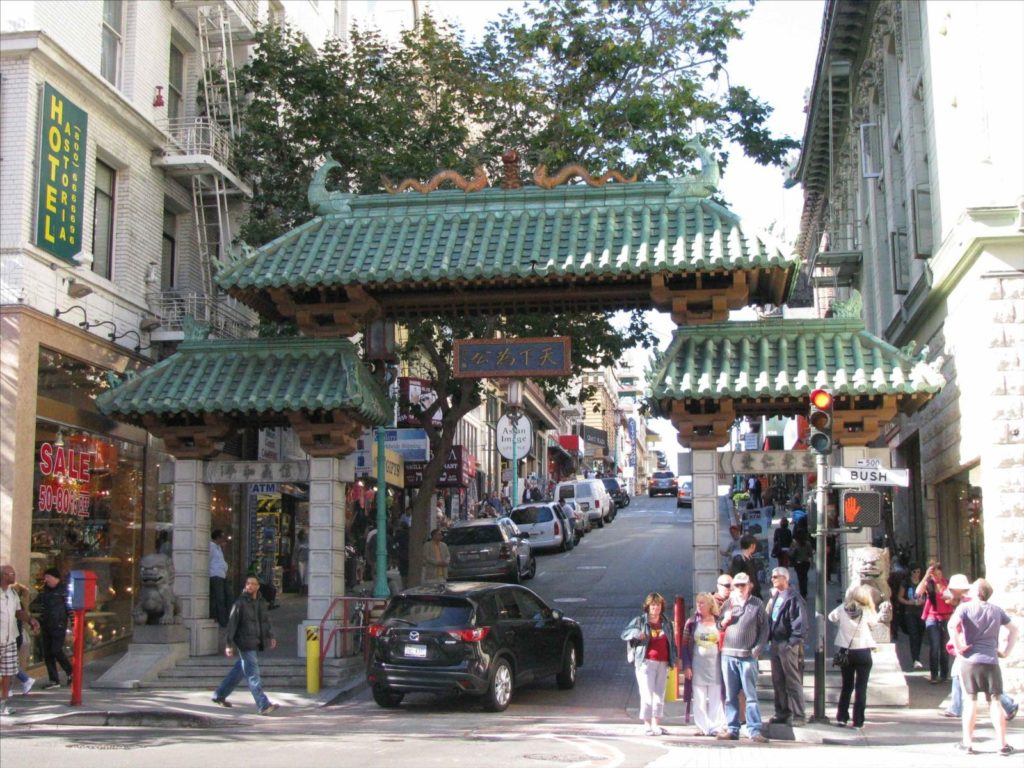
471	556
416	651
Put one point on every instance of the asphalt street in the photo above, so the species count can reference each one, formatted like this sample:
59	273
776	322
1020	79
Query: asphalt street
601	583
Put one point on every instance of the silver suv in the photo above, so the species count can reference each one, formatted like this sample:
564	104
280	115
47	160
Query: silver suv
663	482
489	549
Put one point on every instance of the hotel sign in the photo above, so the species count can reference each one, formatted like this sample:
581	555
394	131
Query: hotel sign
61	175
502	358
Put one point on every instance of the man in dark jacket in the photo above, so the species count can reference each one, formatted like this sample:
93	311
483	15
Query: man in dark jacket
249	631
787	628
744	562
53	625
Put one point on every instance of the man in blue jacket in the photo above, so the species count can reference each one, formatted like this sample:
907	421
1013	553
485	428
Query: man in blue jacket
787	628
249	631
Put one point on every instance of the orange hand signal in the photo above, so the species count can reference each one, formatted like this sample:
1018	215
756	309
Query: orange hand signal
851	509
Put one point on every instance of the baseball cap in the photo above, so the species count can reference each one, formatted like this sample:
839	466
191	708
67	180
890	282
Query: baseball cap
52	572
740	578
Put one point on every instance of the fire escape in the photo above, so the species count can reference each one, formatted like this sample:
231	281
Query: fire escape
199	153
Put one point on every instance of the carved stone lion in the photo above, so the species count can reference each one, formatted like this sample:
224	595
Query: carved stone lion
157	603
869	567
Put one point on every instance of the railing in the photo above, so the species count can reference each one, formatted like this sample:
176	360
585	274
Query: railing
198	136
351	627
226	317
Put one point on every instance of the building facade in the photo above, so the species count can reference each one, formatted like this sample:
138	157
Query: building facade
913	174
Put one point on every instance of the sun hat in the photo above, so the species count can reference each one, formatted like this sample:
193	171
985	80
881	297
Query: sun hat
958	581
740	578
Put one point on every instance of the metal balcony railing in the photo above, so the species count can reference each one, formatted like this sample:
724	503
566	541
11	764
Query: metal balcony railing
226	317
198	136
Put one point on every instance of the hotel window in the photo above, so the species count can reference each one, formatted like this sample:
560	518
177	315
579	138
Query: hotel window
103	220
168	261
176	84
113	30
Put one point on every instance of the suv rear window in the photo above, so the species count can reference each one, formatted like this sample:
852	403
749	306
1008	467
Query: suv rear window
430	612
531	515
664	475
474	534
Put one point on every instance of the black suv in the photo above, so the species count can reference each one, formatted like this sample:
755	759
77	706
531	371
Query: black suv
662	482
617	490
470	638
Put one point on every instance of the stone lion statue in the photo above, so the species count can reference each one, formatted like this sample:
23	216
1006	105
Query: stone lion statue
869	567
157	603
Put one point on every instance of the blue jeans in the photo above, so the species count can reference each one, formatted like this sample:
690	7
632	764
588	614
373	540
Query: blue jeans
741	673
247	666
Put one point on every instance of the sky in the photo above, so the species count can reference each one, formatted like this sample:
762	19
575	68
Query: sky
775	59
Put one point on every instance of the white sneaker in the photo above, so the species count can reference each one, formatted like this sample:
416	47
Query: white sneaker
27	685
5	710
918	665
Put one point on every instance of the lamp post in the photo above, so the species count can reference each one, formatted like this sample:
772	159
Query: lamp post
515	405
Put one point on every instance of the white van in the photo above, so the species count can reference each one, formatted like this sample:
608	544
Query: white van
591	497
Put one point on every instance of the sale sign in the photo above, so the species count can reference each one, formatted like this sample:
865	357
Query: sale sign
68	473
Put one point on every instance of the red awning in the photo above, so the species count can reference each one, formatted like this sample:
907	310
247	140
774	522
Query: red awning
570	442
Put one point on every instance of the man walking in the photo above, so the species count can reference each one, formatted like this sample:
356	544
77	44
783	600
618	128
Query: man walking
746	625
54	627
787	627
974	631
11	611
220	597
744	563
250	631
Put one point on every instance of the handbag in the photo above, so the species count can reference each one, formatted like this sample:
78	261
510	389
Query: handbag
841	658
672	684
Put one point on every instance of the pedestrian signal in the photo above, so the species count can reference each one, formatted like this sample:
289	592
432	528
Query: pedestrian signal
862	509
820	420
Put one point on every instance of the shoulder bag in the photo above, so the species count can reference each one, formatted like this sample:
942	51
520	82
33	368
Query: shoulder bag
841	658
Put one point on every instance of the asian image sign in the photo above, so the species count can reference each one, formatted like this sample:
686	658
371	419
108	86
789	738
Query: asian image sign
61	186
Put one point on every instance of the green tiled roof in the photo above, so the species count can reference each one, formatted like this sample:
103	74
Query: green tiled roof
787	358
497	236
258	377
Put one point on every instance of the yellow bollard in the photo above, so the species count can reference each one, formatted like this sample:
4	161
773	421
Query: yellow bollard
312	660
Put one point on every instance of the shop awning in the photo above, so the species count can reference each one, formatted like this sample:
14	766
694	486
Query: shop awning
571	443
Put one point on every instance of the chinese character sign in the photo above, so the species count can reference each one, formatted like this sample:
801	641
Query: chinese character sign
61	175
493	358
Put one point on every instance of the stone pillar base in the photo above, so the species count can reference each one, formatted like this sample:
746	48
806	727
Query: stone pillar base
205	637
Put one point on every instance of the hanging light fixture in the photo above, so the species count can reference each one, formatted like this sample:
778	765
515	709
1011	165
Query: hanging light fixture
59	439
158	99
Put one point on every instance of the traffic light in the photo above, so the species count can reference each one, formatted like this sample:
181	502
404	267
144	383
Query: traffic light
862	508
820	420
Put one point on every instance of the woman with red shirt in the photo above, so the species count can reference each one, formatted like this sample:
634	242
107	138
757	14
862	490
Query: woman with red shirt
652	643
936	613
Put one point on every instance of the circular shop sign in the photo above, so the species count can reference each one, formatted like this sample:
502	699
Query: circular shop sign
523	435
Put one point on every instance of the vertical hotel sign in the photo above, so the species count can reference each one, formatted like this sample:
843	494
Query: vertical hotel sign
61	175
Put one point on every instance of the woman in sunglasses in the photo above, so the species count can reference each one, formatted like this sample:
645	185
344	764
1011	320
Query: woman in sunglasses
936	614
652	643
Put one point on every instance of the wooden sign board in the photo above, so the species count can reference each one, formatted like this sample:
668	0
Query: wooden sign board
512	358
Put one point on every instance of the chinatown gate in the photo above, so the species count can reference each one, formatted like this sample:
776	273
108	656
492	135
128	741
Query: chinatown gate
605	244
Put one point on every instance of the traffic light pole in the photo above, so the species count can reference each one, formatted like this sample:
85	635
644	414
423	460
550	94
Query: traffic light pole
821	502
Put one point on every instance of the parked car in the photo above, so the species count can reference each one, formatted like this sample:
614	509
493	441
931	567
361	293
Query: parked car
663	482
489	549
591	497
470	638
546	524
684	498
617	490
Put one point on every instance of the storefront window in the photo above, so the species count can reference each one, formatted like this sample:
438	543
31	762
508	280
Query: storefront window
87	515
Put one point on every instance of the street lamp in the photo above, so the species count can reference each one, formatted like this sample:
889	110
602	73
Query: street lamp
515	412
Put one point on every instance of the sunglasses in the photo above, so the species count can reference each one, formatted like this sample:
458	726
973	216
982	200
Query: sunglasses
740	586
725	583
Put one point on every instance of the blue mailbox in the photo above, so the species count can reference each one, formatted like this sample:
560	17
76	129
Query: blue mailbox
82	590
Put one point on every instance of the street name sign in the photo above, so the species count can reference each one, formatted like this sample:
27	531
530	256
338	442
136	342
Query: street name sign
870	476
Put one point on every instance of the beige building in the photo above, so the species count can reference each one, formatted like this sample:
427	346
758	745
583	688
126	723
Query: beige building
913	173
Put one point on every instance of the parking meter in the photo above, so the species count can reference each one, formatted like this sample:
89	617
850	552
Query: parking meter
81	597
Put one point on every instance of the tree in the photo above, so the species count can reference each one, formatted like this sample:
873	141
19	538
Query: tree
609	84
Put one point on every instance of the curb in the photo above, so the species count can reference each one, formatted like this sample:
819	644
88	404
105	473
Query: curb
133	719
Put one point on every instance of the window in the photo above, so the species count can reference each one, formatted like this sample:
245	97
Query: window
113	27
103	220
176	84
168	266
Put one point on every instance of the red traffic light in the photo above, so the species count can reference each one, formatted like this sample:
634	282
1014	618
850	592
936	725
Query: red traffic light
821	399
